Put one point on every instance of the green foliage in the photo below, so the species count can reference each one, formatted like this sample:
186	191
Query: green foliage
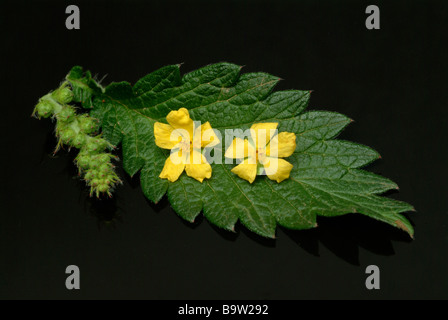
84	87
326	180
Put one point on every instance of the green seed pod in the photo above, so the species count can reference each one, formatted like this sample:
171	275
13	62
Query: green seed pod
102	187
67	113
104	168
61	126
66	135
83	161
87	124
94	182
63	95
95	163
95	173
102	143
79	140
91	145
44	109
90	175
104	157
96	145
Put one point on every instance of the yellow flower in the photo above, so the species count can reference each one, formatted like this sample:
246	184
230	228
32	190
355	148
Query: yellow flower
261	153
185	142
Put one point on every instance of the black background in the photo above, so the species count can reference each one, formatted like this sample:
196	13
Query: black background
392	82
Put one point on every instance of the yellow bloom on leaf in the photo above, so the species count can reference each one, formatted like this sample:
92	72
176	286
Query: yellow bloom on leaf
261	153
185	142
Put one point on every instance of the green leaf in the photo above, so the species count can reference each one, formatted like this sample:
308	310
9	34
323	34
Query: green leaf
84	87
326	180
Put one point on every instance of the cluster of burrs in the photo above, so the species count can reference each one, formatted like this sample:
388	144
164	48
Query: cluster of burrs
79	131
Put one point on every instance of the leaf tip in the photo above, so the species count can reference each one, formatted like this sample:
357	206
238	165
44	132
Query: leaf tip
403	227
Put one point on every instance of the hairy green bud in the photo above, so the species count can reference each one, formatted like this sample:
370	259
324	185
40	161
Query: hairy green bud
67	135
103	187
63	95
104	157
94	163
104	168
87	124
44	109
83	161
96	145
67	114
90	175
78	140
94	182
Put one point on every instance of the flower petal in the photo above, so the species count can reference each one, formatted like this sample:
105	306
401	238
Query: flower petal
277	169
180	119
174	166
240	149
209	137
246	170
198	167
165	135
282	145
262	133
205	136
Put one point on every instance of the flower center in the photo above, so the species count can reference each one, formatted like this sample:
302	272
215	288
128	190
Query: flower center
185	146
261	155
